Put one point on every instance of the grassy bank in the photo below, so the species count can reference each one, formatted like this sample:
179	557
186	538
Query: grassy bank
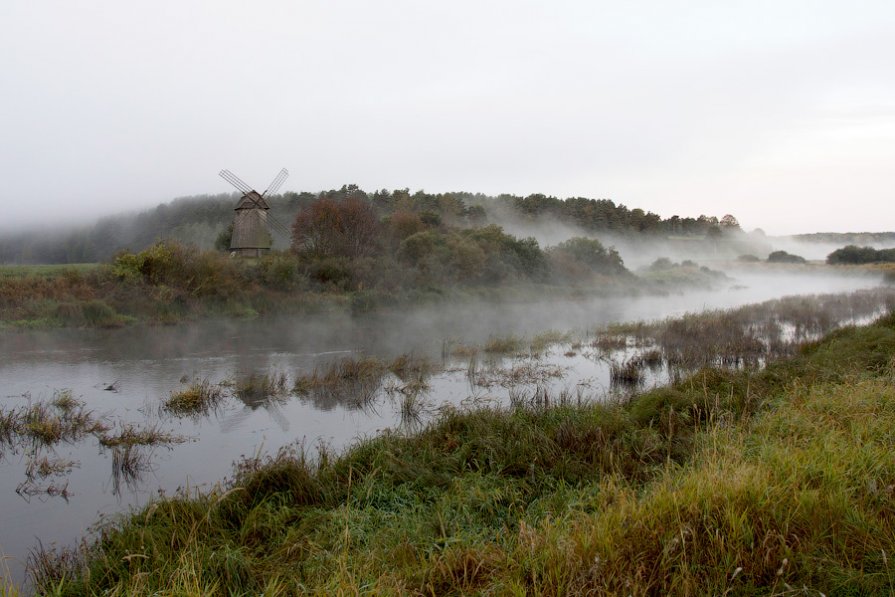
169	283
729	482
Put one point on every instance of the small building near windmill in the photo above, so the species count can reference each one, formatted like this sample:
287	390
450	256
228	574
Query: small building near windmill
251	237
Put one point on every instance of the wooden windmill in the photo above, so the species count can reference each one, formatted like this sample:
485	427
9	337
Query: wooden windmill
251	235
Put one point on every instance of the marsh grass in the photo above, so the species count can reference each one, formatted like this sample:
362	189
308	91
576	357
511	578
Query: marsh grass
461	351
135	435
745	337
7	586
545	340
354	381
527	372
257	388
200	397
627	374
408	366
503	344
130	462
46	423
43	465
732	481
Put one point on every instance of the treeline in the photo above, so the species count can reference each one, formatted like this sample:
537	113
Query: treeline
343	255
342	240
201	220
847	238
853	254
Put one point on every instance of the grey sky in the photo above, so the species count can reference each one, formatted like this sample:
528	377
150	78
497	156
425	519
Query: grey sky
782	113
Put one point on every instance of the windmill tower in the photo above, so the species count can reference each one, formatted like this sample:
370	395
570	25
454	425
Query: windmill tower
251	235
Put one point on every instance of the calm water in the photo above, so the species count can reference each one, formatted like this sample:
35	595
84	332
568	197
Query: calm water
147	364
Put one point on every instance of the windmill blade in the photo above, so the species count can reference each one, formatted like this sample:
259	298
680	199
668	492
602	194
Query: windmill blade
235	181
278	226
278	180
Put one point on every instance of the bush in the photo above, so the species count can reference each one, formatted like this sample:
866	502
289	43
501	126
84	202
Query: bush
203	274
591	253
281	272
335	272
784	257
852	254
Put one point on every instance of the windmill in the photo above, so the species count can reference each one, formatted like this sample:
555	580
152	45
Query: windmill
251	237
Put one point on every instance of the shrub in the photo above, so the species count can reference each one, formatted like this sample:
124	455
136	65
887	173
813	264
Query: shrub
591	253
852	254
784	257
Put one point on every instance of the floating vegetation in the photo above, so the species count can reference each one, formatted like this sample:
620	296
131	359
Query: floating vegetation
201	396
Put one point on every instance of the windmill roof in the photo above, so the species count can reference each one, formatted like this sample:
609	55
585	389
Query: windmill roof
252	200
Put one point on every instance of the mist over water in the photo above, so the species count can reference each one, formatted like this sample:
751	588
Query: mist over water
146	364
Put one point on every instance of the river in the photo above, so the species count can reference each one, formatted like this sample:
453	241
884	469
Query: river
144	365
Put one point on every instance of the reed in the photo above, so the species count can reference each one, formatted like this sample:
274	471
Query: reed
627	374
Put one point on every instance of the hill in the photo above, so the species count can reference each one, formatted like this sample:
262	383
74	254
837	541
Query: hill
200	220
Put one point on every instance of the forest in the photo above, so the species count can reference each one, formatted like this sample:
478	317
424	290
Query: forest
201	220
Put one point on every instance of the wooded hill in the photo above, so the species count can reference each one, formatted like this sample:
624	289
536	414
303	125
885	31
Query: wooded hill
200	220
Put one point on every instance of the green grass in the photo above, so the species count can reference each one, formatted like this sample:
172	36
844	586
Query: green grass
729	482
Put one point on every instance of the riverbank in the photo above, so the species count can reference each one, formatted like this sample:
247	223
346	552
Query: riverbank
170	284
739	481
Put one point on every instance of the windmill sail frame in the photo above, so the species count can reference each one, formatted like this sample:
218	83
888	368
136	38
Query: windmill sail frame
251	235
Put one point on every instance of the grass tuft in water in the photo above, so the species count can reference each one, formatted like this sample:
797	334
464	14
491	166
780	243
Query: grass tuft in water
134	435
201	396
259	387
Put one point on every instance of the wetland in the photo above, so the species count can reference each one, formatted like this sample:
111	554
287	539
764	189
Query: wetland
96	422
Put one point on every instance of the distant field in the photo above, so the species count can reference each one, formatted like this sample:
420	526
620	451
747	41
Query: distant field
9	271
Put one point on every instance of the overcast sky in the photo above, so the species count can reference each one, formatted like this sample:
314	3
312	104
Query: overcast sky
779	112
